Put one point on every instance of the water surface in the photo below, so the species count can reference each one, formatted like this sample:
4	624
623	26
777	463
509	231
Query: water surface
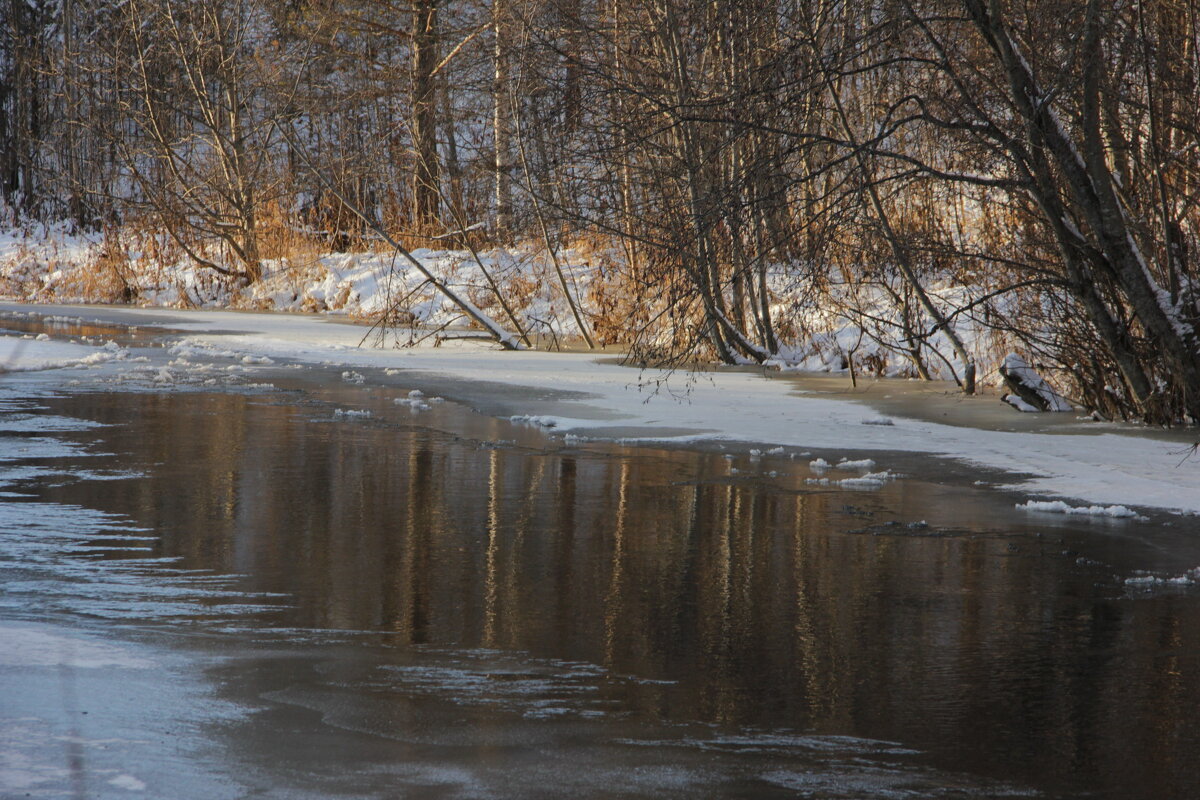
252	592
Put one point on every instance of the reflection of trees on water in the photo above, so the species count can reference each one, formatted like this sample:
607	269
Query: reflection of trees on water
756	604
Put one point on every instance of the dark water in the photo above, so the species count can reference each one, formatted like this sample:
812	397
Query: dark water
441	604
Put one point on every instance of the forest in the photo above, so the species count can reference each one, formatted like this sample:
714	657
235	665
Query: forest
937	182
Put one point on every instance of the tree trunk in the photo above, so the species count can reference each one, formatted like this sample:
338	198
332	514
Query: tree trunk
501	121
426	183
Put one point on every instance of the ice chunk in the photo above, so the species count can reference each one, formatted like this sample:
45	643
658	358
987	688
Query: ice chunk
1147	579
128	783
1059	507
413	403
872	480
534	419
1019	404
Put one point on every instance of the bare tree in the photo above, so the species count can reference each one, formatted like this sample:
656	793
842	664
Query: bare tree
196	134
427	178
1063	131
501	118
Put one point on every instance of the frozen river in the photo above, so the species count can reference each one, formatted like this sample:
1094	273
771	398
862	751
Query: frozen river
293	583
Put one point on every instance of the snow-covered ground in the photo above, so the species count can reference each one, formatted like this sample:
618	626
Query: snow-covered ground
1101	470
817	332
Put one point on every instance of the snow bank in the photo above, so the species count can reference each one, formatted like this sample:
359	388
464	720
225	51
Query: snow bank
820	333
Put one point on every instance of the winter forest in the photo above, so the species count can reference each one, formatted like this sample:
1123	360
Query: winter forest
899	187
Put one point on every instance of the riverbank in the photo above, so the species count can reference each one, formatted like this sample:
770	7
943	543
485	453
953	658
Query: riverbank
1090	465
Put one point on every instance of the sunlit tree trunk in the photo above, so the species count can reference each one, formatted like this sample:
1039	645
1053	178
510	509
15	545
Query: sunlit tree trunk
427	178
501	119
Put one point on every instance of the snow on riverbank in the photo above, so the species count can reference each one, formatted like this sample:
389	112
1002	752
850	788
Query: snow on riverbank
1099	469
49	264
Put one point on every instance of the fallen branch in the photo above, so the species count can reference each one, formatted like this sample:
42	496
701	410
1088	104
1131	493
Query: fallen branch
506	339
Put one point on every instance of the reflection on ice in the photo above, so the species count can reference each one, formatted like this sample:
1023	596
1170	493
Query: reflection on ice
751	741
863	782
29	647
55	557
41	423
488	723
534	688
